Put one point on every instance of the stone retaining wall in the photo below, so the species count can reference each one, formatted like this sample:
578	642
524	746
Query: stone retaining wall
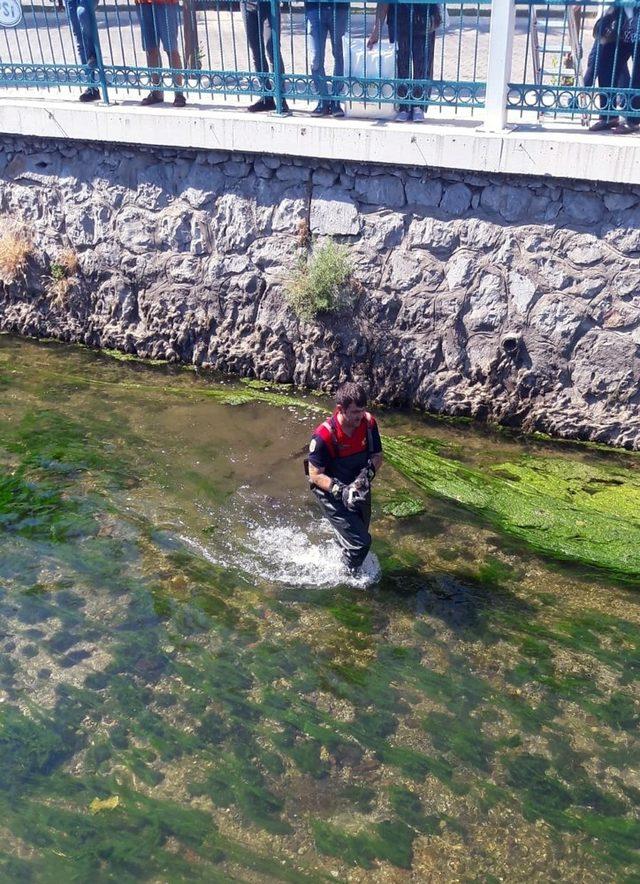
514	300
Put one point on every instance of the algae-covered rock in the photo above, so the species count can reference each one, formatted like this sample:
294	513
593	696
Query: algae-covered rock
559	507
403	507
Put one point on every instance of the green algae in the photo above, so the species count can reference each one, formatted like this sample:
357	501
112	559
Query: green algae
557	508
298	715
404	507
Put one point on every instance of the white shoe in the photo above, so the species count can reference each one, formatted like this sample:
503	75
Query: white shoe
402	116
418	115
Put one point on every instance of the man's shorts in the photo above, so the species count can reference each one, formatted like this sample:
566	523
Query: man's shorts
159	24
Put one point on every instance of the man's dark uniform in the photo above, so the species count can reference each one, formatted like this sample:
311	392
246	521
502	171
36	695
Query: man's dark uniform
342	458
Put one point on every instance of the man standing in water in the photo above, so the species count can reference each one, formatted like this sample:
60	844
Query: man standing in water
344	455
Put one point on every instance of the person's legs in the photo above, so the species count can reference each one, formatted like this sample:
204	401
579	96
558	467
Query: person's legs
590	72
72	12
317	30
633	52
151	46
87	32
254	36
338	28
403	42
604	64
351	528
419	57
166	18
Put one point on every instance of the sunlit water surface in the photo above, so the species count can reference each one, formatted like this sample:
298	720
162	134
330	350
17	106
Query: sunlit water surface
190	689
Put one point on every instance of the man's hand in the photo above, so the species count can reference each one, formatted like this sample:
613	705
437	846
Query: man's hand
374	36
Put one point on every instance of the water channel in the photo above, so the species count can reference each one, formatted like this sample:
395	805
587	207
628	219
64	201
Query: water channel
190	691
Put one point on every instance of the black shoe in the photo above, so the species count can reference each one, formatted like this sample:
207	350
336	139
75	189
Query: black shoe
154	97
336	110
262	106
626	128
601	125
90	95
179	100
321	110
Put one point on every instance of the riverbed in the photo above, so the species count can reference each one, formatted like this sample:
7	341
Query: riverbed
191	690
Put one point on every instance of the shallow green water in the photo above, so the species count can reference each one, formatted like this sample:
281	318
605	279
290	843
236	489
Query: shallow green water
186	692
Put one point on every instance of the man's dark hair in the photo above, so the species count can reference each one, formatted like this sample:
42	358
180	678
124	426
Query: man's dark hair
351	394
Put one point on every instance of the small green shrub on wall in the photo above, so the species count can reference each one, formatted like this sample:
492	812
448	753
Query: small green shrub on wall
321	283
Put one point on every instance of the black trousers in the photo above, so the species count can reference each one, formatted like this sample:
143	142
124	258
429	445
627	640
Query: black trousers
416	48
259	25
351	528
612	70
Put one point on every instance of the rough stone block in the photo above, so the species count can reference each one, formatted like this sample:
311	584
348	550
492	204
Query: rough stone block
606	363
522	291
292	174
425	194
236	169
324	177
380	190
510	202
333	213
582	207
616	202
456	199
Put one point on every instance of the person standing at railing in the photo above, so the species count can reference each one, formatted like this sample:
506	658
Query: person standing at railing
412	27
159	26
83	26
326	20
260	22
619	37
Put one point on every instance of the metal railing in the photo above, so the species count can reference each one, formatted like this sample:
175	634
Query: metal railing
291	54
579	61
425	56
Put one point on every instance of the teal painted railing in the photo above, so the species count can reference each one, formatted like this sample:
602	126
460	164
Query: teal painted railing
580	60
427	55
423	57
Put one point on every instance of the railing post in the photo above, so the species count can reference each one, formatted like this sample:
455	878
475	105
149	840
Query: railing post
277	58
91	9
503	15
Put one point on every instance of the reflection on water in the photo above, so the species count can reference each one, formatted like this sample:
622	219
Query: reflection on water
189	690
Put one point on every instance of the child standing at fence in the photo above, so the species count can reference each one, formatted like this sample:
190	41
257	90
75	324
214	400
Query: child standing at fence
159	25
412	27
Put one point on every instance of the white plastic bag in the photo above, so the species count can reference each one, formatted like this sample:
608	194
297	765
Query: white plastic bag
378	63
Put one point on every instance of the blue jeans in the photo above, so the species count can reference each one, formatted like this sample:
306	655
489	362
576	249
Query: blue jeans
82	25
326	20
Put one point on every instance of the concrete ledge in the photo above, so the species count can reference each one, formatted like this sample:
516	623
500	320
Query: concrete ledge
558	151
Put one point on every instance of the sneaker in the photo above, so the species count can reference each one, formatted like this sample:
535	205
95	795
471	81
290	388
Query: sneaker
337	110
262	106
154	97
90	95
418	115
625	128
179	100
402	116
601	125
321	110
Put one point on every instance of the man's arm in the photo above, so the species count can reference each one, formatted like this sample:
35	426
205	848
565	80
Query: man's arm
381	14
318	478
376	460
